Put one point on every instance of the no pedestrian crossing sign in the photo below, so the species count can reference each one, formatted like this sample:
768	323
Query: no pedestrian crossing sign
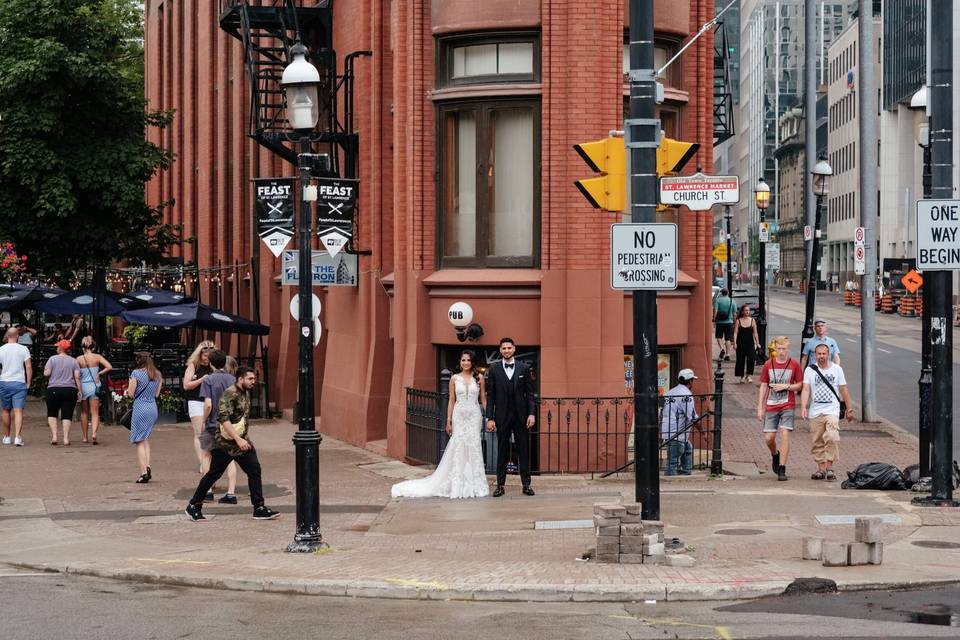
938	240
643	256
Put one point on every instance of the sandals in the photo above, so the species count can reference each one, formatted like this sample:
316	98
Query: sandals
93	441
143	479
818	475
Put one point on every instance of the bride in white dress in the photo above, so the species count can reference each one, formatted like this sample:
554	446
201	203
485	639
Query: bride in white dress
460	473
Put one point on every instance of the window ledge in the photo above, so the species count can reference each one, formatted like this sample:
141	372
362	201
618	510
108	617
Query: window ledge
484	277
488	90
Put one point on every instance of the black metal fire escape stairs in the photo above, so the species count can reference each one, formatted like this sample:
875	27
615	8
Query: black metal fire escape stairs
268	29
722	90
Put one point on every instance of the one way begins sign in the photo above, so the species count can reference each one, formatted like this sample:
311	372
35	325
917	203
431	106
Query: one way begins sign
643	256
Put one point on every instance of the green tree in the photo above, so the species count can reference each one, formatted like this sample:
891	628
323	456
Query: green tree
74	157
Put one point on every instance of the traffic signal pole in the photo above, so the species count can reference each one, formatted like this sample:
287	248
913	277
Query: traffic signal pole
642	131
940	281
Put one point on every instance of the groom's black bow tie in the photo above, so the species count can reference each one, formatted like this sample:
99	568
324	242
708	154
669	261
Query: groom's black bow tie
508	366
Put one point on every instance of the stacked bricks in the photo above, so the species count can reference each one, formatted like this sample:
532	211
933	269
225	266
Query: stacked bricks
622	537
866	548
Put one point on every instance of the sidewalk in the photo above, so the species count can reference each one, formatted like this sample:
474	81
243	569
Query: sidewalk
77	510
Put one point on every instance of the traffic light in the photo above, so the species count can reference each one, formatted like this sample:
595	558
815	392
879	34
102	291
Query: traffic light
673	155
607	157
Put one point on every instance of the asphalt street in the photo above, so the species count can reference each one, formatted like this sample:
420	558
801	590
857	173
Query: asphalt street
61	606
897	354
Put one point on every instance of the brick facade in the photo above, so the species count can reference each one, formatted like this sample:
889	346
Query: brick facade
383	335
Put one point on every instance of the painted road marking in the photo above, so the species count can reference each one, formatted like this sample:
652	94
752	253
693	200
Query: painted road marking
851	340
884	350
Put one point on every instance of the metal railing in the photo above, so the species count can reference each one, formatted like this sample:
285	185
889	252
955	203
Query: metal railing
580	435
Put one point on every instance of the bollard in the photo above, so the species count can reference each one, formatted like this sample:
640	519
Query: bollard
716	462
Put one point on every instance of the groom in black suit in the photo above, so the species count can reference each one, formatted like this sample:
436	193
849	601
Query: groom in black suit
511	407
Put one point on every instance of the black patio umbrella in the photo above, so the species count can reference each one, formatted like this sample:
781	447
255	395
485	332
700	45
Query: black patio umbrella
151	297
23	296
195	314
81	302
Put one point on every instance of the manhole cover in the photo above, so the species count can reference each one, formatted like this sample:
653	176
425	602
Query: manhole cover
740	532
936	544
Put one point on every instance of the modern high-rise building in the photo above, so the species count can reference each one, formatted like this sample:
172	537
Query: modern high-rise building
772	83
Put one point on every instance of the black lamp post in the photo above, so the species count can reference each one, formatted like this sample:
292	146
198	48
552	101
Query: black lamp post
727	216
821	173
761	195
300	81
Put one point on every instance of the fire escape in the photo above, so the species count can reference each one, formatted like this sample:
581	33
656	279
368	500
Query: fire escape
722	91
267	29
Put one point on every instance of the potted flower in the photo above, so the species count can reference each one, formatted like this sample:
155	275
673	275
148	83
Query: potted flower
169	407
11	264
120	405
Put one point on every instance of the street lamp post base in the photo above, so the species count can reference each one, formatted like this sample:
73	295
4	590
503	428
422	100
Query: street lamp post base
307	544
930	501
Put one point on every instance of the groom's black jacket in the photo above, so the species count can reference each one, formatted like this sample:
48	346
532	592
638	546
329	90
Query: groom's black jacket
506	397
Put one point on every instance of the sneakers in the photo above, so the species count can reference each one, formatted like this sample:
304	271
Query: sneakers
7	440
227	499
830	476
782	473
18	441
265	513
776	461
195	512
208	497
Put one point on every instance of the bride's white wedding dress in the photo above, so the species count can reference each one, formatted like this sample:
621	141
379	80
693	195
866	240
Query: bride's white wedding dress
460	473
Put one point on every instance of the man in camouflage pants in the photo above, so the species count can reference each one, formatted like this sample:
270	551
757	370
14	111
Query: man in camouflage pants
232	445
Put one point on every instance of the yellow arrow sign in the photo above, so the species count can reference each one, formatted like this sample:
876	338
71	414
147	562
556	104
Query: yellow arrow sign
720	252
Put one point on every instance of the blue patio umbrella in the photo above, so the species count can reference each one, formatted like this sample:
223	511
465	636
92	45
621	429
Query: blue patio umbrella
23	296
151	297
81	302
194	314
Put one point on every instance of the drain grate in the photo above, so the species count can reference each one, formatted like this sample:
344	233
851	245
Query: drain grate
740	532
935	544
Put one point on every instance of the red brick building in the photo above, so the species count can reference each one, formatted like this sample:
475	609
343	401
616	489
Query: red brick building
467	114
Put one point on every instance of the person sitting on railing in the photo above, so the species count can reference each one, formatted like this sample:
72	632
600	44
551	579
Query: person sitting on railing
676	418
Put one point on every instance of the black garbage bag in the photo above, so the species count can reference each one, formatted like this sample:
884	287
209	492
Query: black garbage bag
911	474
875	475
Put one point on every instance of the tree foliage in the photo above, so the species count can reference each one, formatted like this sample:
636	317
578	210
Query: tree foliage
74	157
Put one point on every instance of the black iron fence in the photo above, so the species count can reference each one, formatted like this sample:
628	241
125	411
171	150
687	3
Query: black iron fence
581	435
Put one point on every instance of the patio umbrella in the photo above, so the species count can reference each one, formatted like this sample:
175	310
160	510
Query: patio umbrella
194	314
23	296
81	302
151	297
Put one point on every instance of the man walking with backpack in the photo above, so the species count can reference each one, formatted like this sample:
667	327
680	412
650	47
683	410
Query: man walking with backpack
824	401
724	310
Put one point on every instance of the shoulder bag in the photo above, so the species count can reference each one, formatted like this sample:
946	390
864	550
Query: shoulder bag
127	418
843	405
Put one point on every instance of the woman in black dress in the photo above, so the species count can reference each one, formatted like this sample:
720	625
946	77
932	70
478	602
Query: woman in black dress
746	341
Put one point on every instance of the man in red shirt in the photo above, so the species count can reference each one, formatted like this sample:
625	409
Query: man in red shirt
780	379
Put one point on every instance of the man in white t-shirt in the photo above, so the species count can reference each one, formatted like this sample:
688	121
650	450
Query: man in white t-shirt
16	373
824	385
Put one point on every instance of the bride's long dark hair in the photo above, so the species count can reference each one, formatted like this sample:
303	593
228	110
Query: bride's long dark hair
473	364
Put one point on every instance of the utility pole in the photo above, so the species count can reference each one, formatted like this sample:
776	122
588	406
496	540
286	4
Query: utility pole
868	209
940	282
810	112
727	216
642	133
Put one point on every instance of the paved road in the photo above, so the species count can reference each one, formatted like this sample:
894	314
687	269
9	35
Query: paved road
58	606
897	353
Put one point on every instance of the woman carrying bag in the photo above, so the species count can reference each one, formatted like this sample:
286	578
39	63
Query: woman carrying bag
747	342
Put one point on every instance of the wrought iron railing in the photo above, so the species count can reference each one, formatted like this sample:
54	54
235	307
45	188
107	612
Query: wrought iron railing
579	435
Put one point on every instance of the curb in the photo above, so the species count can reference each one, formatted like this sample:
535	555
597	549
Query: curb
381	589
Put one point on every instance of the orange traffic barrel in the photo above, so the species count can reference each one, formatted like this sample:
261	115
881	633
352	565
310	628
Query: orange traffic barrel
908	306
848	297
886	303
919	305
857	299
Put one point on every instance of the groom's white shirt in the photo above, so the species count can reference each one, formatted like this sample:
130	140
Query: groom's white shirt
510	371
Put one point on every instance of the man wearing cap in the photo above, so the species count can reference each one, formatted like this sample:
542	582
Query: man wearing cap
676	417
821	337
